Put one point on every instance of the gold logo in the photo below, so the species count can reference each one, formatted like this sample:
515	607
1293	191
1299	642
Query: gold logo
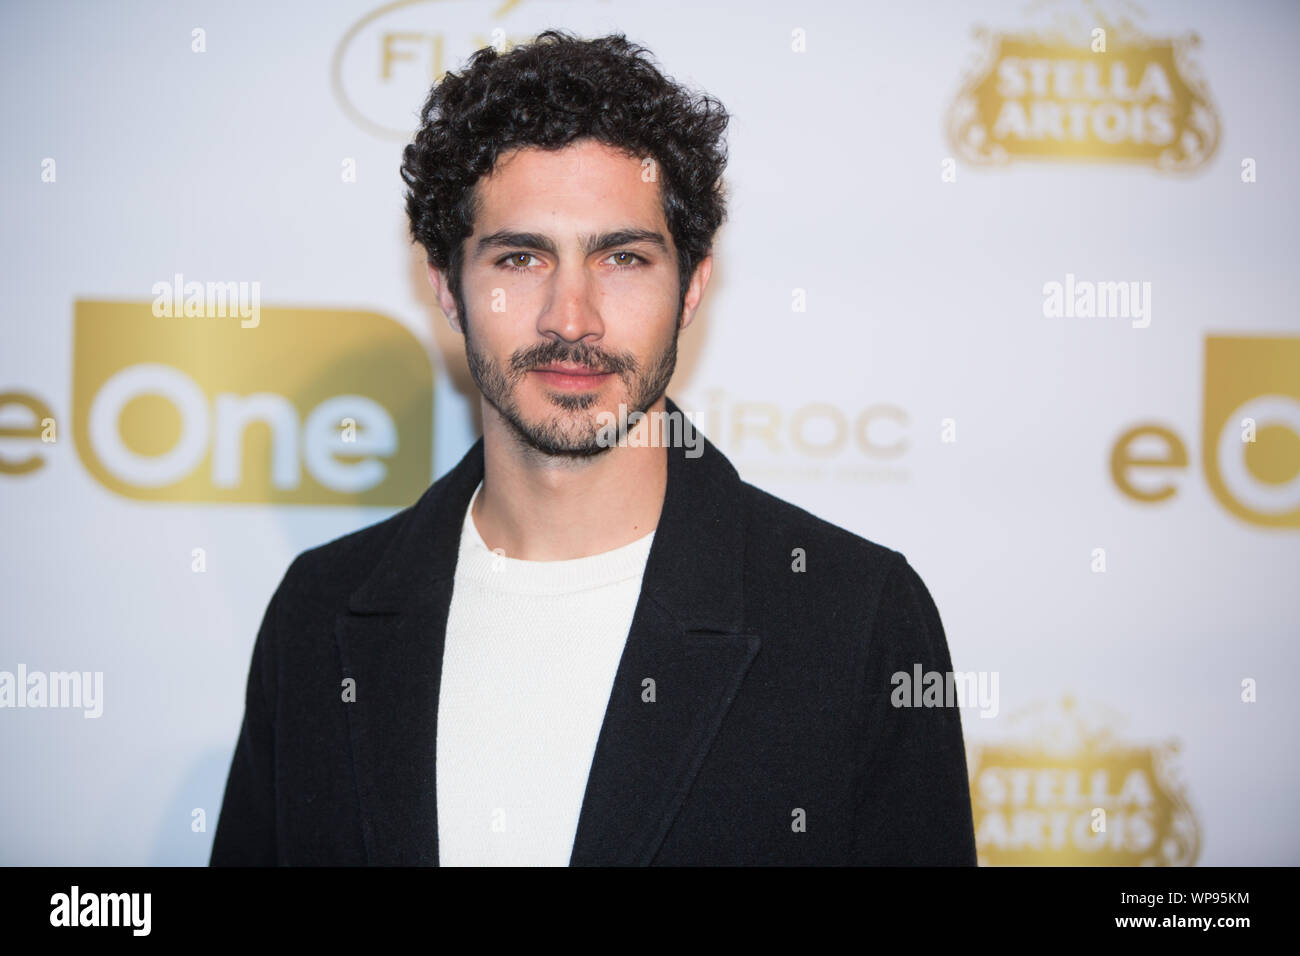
1251	434
385	64
811	441
313	406
1085	89
1070	794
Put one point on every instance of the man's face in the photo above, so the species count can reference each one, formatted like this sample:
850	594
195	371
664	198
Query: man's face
571	288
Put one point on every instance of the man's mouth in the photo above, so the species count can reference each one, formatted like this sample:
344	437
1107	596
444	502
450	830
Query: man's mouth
571	377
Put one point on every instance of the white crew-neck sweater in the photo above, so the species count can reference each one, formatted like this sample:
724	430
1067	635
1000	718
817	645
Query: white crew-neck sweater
531	652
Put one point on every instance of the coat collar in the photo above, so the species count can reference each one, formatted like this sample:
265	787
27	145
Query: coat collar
687	635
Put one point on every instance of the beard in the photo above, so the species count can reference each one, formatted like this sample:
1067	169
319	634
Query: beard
568	433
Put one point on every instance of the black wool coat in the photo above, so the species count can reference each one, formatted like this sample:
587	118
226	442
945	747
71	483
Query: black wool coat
771	738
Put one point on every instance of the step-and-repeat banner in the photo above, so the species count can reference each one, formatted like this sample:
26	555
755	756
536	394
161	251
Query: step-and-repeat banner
1008	287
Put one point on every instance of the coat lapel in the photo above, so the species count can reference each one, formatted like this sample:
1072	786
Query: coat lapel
391	642
687	637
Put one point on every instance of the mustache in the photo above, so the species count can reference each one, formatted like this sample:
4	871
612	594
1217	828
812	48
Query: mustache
548	353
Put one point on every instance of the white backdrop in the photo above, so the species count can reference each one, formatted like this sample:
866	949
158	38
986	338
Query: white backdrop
922	295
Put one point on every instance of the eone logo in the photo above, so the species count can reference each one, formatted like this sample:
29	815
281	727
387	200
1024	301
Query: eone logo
1250	436
313	406
350	425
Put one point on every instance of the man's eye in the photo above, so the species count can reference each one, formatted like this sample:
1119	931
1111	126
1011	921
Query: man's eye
512	261
626	260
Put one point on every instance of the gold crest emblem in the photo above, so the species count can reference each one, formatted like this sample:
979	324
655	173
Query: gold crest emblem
1089	87
1071	794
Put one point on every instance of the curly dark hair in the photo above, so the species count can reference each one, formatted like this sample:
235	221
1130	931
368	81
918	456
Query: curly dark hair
548	93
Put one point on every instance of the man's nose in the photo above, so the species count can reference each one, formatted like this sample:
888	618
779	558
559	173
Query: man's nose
574	310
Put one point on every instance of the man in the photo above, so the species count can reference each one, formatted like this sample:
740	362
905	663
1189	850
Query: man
587	644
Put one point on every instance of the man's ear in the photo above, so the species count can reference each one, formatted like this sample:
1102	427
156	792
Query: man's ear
695	291
445	299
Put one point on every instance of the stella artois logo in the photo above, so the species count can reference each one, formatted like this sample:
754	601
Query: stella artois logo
1085	87
1068	793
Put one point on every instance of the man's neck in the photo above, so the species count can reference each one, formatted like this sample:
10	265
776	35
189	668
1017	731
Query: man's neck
536	508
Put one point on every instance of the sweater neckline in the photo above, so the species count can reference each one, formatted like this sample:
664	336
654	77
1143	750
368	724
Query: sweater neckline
477	562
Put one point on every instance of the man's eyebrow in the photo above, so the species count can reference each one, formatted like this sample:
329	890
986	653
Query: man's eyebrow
506	239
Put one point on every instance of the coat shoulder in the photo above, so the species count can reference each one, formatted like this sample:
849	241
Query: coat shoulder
800	567
338	567
329	573
775	520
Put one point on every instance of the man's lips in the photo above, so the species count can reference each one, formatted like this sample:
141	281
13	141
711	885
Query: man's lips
571	376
